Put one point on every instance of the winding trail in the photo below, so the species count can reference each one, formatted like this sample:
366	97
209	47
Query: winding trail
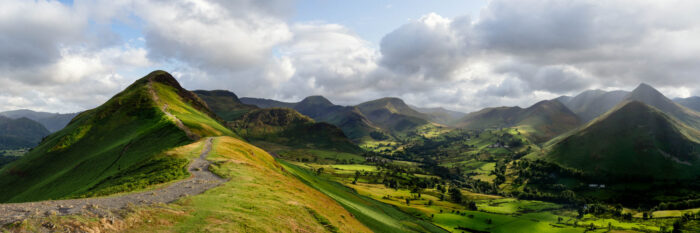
201	180
164	109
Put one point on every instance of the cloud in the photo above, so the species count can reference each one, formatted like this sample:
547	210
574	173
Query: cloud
511	53
21	48
429	46
212	35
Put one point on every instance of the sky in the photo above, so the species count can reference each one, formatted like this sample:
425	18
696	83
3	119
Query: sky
73	55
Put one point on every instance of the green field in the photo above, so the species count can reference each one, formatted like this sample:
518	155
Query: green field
377	216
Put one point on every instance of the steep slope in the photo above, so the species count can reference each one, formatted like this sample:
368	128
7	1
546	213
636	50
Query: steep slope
52	121
441	115
392	114
591	104
650	96
20	133
541	121
690	102
288	127
120	143
634	140
266	103
225	104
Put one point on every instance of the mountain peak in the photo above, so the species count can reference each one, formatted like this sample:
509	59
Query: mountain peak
316	100
645	88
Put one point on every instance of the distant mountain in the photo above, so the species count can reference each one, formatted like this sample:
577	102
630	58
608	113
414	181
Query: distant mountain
591	104
288	127
392	114
440	115
225	104
266	103
690	102
353	123
20	133
52	121
279	125
541	121
634	140
118	146
650	96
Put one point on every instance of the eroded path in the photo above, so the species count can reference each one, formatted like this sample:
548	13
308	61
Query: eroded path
201	180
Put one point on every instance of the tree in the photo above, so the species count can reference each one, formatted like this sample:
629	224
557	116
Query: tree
472	205
455	195
568	195
677	227
357	176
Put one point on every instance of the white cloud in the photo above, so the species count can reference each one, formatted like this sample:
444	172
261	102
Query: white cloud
512	53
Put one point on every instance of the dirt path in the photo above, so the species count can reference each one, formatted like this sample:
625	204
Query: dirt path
177	121
202	179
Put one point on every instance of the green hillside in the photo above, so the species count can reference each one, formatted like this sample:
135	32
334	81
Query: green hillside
650	96
541	121
115	147
392	114
225	104
288	127
355	125
633	140
20	133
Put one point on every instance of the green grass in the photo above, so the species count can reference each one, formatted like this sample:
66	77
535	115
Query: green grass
377	216
119	146
194	119
260	197
630	141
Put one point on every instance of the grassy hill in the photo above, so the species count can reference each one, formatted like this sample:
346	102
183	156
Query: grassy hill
633	140
225	104
392	114
288	127
20	133
261	196
52	121
650	96
541	121
355	125
120	143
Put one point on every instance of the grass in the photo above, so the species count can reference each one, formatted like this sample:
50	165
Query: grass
636	137
119	146
260	197
377	216
197	121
